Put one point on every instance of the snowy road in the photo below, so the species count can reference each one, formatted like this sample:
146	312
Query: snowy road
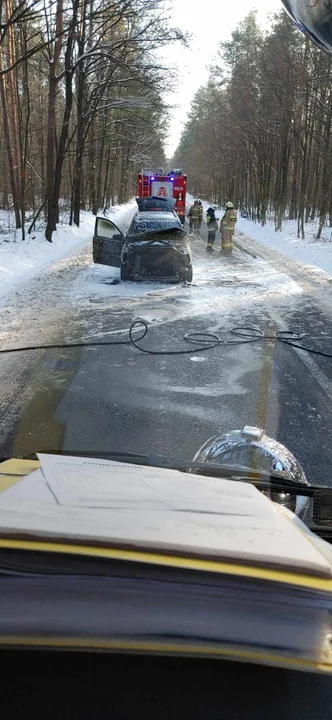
116	398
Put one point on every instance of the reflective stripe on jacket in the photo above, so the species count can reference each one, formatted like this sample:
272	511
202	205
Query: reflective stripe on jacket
210	216
194	212
229	220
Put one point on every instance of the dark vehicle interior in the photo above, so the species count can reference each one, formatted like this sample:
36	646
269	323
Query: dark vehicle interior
90	686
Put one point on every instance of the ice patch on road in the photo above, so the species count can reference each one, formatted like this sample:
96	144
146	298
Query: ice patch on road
97	282
226	286
228	376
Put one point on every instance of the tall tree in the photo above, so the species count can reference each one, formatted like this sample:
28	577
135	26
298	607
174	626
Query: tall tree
81	89
262	126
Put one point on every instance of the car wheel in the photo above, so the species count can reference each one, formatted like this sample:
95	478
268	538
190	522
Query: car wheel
125	273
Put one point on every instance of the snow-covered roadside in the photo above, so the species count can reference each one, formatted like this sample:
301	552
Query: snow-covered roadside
220	288
316	254
21	261
71	297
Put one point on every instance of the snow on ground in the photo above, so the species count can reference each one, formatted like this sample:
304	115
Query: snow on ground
220	286
21	261
102	281
316	254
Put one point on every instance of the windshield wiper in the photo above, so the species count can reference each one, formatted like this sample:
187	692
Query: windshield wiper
262	479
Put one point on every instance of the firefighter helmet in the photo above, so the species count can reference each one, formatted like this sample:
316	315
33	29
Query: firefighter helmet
229	205
313	18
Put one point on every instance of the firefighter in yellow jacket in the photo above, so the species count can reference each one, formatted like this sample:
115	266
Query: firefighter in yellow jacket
194	216
227	226
200	209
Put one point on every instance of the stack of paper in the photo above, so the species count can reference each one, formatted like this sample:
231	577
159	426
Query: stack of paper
110	554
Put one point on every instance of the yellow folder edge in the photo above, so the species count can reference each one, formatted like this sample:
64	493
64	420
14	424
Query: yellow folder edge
13	470
172	561
151	647
24	467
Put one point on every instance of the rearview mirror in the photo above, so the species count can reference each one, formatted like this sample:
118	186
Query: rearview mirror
313	17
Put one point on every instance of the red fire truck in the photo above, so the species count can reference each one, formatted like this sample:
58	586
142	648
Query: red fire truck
161	184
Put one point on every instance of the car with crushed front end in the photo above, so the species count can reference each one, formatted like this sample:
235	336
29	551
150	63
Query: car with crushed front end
155	247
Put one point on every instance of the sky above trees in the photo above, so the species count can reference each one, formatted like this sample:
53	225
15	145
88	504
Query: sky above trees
209	23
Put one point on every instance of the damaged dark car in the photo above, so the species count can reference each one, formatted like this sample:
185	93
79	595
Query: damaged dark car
155	247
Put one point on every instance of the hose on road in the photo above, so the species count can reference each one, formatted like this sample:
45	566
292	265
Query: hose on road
202	341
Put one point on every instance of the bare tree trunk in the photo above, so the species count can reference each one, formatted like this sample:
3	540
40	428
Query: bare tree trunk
24	126
326	177
105	186
12	108
295	181
100	163
92	173
77	184
81	121
66	117
8	148
51	122
51	130
282	200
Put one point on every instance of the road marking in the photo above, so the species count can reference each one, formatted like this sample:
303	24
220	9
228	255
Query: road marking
317	373
311	365
264	417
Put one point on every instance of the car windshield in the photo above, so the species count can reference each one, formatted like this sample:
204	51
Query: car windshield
166	240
